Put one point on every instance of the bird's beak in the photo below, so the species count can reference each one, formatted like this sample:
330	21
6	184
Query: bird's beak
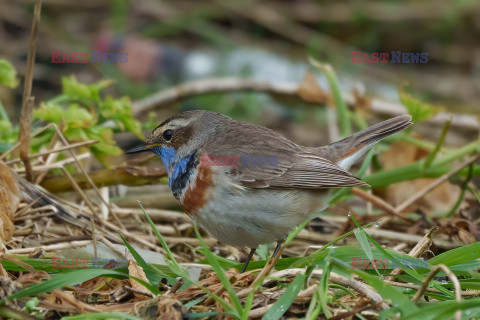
141	148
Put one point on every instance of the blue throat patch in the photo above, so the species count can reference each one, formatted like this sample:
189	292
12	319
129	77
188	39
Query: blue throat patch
179	170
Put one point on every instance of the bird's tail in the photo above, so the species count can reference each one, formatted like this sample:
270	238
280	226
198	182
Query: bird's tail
349	150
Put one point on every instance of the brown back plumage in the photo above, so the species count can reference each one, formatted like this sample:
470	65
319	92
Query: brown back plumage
296	167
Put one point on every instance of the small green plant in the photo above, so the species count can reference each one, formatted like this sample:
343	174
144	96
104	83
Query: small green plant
80	111
8	74
8	133
420	111
83	114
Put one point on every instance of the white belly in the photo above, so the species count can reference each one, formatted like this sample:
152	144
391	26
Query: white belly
249	217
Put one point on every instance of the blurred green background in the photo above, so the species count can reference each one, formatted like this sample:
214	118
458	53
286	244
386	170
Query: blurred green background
170	42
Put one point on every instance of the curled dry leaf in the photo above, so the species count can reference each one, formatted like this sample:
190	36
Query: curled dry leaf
33	277
362	103
136	271
461	229
9	201
310	91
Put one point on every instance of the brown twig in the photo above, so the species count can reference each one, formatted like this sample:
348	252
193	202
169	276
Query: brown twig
404	205
53	247
12	313
211	85
130	176
59	149
450	275
111	246
133	290
85	174
378	202
345	315
361	287
22	264
24	137
26	115
467	293
420	247
15	146
289	89
269	265
80	191
69	299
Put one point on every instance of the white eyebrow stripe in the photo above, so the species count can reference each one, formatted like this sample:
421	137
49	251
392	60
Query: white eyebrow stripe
179	123
173	124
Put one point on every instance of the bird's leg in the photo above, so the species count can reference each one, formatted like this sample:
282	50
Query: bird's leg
277	253
249	257
277	248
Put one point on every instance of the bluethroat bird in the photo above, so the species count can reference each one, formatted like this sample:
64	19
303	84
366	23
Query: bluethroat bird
247	185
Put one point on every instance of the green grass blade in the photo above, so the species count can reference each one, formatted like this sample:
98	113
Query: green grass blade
362	238
101	315
204	315
410	271
249	301
314	308
446	310
151	273
320	253
221	276
344	124
58	281
457	256
285	300
438	145
386	290
192	303
297	230
323	286
173	262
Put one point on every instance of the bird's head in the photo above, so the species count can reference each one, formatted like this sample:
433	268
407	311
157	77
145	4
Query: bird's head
181	135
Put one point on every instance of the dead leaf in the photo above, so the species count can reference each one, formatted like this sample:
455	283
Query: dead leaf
361	103
463	230
310	91
8	287
136	271
9	201
33	277
400	154
67	298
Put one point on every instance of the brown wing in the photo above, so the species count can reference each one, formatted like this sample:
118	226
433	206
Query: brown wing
291	167
313	172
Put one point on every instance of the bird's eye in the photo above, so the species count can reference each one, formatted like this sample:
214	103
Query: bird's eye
167	135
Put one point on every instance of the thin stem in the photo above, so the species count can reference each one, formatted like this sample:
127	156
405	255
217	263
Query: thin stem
439	144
